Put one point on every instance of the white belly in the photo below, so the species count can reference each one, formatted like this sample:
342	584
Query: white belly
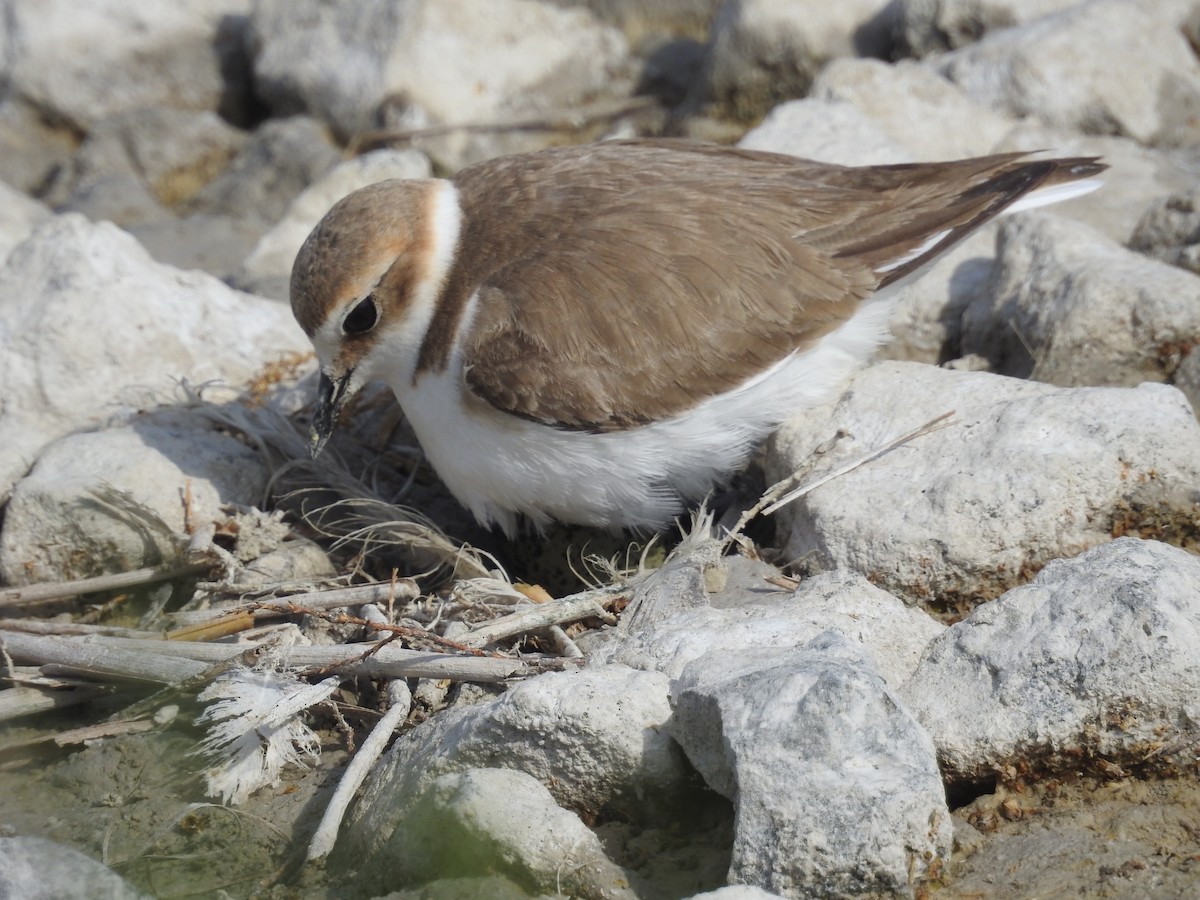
499	466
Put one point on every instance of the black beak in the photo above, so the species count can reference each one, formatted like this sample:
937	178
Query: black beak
332	395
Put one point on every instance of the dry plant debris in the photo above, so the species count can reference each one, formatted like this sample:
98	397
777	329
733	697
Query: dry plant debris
256	660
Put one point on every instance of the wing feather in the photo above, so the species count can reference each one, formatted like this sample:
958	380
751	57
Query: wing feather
621	283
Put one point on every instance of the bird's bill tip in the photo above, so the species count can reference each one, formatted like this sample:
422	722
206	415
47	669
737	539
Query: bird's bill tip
317	440
332	394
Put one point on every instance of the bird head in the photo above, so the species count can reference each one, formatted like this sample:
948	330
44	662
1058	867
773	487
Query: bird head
365	283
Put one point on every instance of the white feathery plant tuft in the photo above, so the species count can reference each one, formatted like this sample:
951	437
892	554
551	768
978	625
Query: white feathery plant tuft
255	729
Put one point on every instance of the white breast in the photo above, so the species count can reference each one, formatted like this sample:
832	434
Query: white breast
499	465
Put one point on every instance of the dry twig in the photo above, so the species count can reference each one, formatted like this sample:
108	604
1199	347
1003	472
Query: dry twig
36	594
174	662
377	592
399	706
583	605
786	491
102	658
23	701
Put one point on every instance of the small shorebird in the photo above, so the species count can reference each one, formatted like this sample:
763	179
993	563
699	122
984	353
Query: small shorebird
600	334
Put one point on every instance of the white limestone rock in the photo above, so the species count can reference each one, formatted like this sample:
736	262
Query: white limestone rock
751	620
34	867
915	106
1069	306
168	153
82	62
736	892
32	151
91	324
494	822
829	131
836	787
1027	473
929	26
142	168
359	66
122	498
222	210
1094	665
281	159
19	215
1187	378
926	325
593	737
297	561
641	18
1169	230
762	52
1103	67
215	244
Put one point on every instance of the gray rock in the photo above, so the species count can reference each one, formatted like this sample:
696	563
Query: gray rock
494	822
90	322
669	66
138	169
926	325
682	583
1169	230
360	66
762	52
639	18
298	561
135	171
113	500
830	131
32	151
593	737
1027	473
737	892
33	868
268	268
279	161
968	363
173	153
914	105
1104	67
755	619
121	198
215	244
19	215
929	26
325	59
1187	378
1068	306
1190	25
1094	665
83	63
836	787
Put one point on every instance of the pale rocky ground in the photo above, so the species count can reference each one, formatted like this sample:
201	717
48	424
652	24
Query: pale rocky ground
968	668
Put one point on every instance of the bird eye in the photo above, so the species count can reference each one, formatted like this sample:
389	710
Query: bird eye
362	318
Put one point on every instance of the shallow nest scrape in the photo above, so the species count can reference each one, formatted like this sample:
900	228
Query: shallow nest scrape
374	636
